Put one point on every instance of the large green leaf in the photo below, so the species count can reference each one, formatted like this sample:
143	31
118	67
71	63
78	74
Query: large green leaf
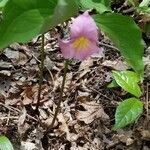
128	80
100	5
24	19
5	144
126	35
2	3
127	112
144	3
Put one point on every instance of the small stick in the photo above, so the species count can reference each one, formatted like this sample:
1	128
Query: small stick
109	46
61	97
16	111
41	74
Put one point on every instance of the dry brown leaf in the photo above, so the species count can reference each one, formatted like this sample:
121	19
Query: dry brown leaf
28	146
63	126
5	73
22	117
92	111
117	65
17	57
5	65
86	64
22	126
27	95
58	81
4	86
48	122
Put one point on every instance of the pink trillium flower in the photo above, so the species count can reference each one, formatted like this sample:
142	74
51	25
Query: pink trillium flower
83	38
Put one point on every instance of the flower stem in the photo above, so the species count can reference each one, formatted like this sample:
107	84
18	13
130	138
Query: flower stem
61	97
41	67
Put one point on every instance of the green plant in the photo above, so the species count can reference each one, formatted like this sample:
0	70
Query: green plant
129	109
5	144
127	112
24	19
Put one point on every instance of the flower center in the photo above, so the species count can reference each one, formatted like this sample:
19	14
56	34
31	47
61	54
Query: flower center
81	43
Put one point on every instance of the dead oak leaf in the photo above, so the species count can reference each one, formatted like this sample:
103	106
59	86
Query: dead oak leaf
92	111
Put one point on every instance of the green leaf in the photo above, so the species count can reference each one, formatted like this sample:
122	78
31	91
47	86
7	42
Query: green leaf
126	35
62	12
127	112
25	19
2	3
147	29
100	5
128	80
113	84
104	2
134	2
144	3
5	144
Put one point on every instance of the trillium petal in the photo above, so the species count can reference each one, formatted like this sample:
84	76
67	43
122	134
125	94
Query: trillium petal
66	48
87	52
83	38
84	25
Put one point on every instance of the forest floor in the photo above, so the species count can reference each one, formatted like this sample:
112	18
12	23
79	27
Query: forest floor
87	112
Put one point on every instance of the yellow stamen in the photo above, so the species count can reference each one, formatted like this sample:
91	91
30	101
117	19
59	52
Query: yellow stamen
81	43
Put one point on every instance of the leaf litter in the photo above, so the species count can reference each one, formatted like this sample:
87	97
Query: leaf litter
87	115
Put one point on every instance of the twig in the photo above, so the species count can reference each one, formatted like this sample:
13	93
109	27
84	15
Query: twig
109	46
147	100
41	74
9	117
61	97
17	111
51	75
132	9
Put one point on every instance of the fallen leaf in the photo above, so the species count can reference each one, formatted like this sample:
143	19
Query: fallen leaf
92	111
5	65
117	65
22	117
27	95
22	126
16	56
48	122
28	146
4	86
5	73
64	127
86	64
58	82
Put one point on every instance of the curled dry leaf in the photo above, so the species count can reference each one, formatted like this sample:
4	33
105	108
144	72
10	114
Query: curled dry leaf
92	111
